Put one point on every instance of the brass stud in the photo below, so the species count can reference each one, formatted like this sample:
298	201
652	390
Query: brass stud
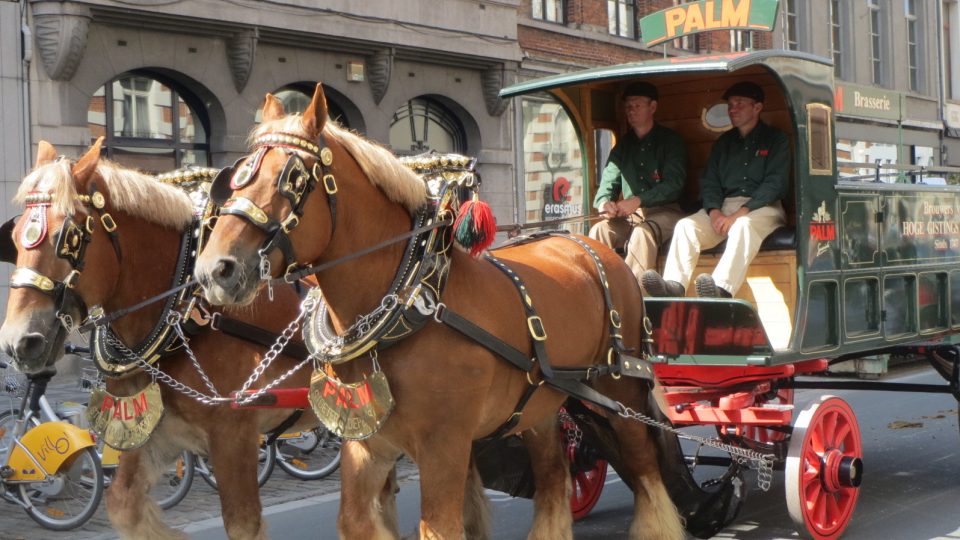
326	157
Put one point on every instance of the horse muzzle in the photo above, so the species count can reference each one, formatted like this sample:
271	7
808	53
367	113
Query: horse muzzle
33	346
226	280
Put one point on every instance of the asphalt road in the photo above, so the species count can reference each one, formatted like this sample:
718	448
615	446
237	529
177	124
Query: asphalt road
910	490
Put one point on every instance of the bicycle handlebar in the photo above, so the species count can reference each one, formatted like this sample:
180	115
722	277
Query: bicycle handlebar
70	348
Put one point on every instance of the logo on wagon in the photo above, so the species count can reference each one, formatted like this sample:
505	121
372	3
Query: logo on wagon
822	227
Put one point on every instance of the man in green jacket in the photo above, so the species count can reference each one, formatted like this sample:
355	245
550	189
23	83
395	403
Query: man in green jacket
647	169
746	177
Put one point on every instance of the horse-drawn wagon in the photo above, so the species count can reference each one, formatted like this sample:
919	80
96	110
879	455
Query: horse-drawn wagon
867	265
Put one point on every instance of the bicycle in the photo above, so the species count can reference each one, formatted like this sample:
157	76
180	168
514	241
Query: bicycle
50	467
307	455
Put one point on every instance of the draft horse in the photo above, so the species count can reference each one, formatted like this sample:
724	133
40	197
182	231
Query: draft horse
129	249
449	390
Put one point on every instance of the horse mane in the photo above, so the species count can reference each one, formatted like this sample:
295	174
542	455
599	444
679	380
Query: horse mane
380	165
129	191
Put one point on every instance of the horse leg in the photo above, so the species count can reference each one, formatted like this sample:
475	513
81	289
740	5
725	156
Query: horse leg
368	490
551	472
133	513
233	453
444	467
476	511
654	516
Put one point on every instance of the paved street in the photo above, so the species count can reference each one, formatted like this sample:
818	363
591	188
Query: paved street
908	492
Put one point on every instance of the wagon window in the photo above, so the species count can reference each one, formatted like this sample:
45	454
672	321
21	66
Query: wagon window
955	298
899	305
553	173
861	306
818	130
932	301
822	318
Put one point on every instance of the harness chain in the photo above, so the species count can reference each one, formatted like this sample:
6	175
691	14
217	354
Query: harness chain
742	455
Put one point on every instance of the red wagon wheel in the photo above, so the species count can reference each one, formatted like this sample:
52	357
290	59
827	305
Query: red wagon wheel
824	468
587	486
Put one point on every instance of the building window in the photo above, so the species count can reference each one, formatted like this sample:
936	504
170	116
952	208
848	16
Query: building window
149	124
620	18
741	40
913	44
548	10
836	38
791	30
951	49
424	124
876	42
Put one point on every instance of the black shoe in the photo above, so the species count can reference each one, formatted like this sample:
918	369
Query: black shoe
654	285
707	288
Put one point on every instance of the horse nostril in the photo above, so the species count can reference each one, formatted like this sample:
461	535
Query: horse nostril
30	346
225	270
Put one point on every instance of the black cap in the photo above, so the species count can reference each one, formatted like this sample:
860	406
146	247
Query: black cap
745	89
644	89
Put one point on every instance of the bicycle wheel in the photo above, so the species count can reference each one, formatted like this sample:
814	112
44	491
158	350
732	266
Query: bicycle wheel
311	455
174	484
8	420
68	498
265	462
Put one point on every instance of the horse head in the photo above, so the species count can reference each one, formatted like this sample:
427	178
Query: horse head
51	244
270	219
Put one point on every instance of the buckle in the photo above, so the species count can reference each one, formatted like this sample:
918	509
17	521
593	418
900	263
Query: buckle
330	184
290	223
71	280
89	224
215	320
535	325
615	318
108	223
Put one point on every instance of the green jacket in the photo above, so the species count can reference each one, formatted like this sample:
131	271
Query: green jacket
654	168
755	166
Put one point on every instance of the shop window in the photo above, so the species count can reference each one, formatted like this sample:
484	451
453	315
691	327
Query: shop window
858	160
899	306
149	124
932	301
861	307
548	10
822	319
553	165
820	139
424	124
621	20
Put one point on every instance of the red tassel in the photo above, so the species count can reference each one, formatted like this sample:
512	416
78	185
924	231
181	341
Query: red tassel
475	227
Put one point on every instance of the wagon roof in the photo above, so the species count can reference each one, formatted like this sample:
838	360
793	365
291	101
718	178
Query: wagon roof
726	62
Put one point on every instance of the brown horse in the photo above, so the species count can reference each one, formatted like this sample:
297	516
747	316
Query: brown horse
150	219
449	391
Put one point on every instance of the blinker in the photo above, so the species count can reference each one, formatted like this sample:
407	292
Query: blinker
220	189
8	250
71	243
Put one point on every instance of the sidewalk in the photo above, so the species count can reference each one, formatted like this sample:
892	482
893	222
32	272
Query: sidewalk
201	503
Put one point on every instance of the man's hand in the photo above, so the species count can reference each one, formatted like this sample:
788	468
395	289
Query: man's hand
608	210
728	220
717	220
627	207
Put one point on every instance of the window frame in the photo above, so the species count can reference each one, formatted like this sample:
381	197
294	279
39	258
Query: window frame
442	115
618	25
560	9
914	63
837	35
113	142
791	16
876	31
826	144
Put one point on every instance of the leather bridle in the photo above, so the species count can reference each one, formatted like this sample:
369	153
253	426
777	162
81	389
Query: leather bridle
295	182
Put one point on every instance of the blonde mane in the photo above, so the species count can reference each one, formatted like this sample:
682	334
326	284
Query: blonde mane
380	165
129	191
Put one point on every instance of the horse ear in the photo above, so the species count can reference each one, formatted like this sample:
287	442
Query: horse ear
316	114
46	153
272	108
85	166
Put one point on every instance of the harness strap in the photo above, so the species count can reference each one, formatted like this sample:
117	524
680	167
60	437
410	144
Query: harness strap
538	336
511	422
255	334
488	340
275	434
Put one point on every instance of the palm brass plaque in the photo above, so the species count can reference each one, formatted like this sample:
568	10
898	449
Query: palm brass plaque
125	422
353	411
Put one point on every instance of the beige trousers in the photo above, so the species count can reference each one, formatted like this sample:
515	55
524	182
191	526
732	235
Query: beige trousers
695	233
642	233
